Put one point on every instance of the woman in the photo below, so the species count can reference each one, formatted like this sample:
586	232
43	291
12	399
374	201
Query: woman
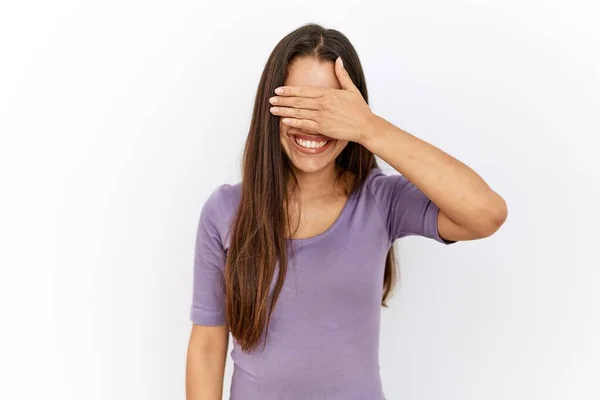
297	259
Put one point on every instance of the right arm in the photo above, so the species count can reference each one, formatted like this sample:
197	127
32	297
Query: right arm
209	338
206	355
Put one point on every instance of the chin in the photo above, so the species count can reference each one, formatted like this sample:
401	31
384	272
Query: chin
308	167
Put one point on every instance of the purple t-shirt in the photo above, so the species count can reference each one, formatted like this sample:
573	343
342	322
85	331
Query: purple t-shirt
323	339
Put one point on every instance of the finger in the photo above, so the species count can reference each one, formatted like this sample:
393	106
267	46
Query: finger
300	91
343	76
296	102
306	124
294	112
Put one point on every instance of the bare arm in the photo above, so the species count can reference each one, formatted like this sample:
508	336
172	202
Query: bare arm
206	355
469	208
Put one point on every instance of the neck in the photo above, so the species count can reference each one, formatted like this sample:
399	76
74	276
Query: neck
316	184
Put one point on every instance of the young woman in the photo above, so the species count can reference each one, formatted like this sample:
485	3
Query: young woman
296	260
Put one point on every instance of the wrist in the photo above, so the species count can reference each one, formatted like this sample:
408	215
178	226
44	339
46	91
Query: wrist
373	129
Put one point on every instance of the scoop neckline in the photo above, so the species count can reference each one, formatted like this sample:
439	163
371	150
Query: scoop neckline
341	217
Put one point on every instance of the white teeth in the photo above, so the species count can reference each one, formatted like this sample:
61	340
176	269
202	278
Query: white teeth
309	144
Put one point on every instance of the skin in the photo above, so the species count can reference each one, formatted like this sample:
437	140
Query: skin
205	367
309	72
317	200
469	208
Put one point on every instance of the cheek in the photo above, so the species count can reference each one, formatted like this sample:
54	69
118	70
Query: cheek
341	145
282	129
282	136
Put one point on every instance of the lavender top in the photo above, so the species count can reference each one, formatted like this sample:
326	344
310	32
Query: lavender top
323	339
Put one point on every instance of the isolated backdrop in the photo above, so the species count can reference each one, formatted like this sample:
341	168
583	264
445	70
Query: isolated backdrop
119	118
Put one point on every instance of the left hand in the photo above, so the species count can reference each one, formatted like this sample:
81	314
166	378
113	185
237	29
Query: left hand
340	114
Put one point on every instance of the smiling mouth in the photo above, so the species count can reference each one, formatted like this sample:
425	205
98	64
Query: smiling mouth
309	143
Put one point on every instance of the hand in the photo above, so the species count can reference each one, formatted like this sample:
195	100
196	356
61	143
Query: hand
337	113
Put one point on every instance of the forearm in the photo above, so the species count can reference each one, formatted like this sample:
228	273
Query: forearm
454	187
204	374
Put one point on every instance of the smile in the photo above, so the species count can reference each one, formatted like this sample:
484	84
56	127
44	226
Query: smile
309	144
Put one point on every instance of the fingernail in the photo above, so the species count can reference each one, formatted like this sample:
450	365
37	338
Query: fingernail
273	100
274	109
341	61
279	90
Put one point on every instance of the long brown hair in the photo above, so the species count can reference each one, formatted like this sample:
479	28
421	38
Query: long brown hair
260	228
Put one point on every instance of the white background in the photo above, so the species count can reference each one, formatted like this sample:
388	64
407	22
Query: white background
118	119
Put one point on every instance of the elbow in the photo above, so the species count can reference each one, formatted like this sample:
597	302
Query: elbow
491	217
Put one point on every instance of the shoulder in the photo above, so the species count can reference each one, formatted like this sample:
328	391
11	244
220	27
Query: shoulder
380	185
224	198
220	207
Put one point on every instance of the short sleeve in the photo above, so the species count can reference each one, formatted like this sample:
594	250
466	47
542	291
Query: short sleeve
208	300
405	209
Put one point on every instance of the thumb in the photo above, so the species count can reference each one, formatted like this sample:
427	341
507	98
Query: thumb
343	76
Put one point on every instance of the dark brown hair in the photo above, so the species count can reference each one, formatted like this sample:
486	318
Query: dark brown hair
261	226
